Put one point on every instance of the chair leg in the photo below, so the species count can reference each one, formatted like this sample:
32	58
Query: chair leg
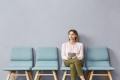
36	75
8	76
39	77
109	75
88	75
54	74
64	75
12	77
27	75
30	75
91	75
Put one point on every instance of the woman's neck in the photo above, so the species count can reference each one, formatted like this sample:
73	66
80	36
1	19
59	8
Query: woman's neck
72	42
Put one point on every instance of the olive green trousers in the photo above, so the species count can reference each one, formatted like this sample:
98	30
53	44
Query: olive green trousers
75	67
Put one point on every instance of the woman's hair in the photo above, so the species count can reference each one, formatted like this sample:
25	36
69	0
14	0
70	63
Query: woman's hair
75	32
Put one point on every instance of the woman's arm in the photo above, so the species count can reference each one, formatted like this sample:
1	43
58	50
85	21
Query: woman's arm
81	53
64	57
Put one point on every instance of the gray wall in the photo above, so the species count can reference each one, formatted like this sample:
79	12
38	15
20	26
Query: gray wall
46	22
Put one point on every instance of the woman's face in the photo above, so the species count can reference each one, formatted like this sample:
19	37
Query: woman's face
72	36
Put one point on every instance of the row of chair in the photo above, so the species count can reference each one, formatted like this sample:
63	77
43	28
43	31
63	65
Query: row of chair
47	59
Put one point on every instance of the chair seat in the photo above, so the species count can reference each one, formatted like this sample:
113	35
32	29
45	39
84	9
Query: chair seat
10	68
45	68
100	68
99	65
63	67
20	63
46	65
68	68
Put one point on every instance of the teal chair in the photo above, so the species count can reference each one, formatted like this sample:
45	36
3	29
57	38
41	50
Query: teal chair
21	60
46	60
98	59
67	69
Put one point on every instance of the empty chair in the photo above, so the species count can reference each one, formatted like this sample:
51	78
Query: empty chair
21	60
46	60
98	59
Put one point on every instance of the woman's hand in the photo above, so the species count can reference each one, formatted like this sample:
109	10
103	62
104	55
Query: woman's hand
74	57
69	58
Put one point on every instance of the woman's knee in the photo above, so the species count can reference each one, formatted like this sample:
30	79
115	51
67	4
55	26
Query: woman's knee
72	66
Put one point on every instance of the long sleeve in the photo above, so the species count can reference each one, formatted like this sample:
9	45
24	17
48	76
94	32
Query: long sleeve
64	57
81	53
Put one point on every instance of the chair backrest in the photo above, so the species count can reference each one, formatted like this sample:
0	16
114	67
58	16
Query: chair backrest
97	54
21	56
46	54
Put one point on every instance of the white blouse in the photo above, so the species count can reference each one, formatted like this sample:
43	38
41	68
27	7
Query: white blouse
68	48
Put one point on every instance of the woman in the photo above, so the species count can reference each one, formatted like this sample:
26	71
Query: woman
72	55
